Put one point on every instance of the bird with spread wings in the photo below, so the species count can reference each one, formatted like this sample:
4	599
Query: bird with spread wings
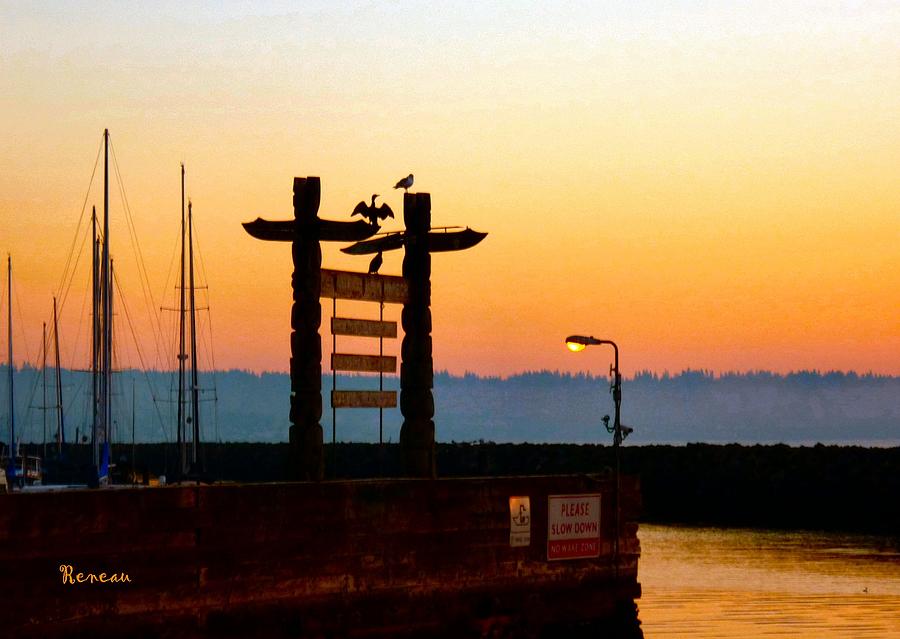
371	212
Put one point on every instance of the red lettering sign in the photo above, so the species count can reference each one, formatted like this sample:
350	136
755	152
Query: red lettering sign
573	526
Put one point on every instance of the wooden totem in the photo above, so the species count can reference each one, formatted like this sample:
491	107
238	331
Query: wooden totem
306	342
416	368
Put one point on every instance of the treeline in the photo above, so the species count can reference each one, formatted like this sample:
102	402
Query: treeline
541	407
818	487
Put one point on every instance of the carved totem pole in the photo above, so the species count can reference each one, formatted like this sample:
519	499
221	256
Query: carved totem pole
419	240
417	365
306	343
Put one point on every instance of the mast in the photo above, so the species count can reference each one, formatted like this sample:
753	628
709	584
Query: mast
195	389
106	307
133	447
44	376
95	338
12	410
108	432
60	415
181	354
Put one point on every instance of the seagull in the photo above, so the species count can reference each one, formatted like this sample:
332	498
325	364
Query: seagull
375	264
371	212
405	183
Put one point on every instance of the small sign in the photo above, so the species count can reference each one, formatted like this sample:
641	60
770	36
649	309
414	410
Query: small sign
519	521
573	526
363	399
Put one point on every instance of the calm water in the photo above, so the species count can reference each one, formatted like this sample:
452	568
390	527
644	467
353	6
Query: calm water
707	582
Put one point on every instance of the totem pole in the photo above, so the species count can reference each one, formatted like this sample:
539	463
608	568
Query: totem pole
417	366
419	240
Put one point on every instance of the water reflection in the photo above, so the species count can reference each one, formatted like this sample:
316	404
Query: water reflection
740	583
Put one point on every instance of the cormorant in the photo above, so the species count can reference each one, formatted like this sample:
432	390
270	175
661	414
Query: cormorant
371	212
375	264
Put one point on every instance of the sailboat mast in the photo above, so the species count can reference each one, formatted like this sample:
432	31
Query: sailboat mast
106	309
195	388
108	432
133	447
60	415
95	337
182	436
44	376
12	409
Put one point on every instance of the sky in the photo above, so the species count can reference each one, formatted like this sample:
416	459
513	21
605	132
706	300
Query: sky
710	186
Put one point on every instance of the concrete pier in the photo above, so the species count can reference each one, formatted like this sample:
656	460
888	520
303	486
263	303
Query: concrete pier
385	557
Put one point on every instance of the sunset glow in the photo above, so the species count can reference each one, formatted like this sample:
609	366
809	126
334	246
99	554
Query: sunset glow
710	187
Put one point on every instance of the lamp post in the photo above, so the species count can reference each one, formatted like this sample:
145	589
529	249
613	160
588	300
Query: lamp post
576	344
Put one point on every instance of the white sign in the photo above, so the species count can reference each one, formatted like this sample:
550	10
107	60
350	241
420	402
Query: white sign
573	526
519	521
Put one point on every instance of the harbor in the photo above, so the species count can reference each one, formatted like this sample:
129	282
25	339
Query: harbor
498	320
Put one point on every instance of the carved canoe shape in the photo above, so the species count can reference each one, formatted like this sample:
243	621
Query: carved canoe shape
438	241
329	230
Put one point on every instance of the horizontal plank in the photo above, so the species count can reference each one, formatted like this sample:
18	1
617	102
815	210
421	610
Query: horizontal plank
363	327
348	285
324	230
364	363
363	399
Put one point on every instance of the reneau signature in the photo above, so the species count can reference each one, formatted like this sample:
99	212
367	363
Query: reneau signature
68	577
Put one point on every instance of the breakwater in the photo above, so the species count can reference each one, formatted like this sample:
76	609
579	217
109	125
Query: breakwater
815	487
389	558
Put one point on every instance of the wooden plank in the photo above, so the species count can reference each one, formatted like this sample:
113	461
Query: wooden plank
363	399
364	363
349	285
363	327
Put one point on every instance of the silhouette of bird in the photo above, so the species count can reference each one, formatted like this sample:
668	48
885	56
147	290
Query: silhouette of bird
405	183
371	212
375	264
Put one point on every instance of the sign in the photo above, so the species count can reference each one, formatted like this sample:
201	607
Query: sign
363	363
363	399
363	327
348	285
573	526
519	521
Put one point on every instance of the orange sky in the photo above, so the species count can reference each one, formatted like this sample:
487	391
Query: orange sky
709	187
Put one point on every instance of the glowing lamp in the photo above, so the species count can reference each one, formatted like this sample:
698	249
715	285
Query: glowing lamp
577	343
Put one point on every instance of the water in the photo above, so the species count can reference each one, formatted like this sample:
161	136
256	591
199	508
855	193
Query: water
714	583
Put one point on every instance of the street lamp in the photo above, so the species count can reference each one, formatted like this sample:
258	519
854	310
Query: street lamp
577	343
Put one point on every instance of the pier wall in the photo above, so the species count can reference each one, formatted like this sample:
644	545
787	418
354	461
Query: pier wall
362	557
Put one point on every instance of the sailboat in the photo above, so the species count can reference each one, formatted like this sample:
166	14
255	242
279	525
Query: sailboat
20	468
101	336
193	467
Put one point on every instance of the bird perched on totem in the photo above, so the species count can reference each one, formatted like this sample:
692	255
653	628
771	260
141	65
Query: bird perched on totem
371	212
405	183
375	264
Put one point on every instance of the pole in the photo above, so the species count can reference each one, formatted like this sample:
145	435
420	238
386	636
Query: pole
12	410
95	338
617	441
109	432
333	388
133	447
44	380
195	390
181	354
103	425
60	415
